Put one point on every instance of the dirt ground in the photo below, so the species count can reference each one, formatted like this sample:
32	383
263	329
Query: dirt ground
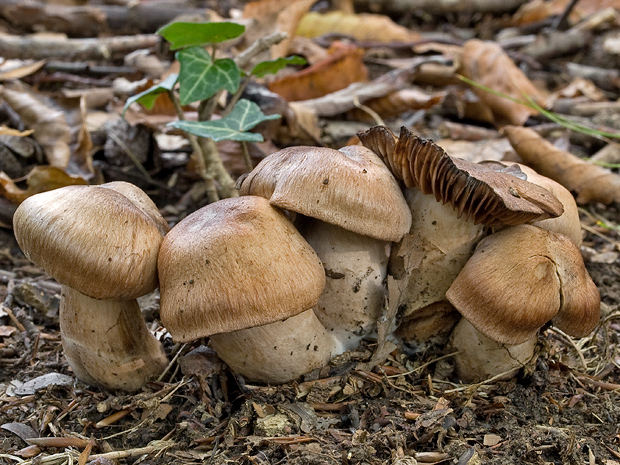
563	411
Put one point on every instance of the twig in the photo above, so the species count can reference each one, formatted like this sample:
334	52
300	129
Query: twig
569	339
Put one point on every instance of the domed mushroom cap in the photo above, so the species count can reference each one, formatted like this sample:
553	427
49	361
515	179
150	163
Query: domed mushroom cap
494	194
351	188
235	264
520	278
92	239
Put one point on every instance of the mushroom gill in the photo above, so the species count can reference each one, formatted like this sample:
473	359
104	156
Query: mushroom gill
493	194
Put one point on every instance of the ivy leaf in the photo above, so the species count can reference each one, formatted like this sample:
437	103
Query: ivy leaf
273	66
244	116
201	77
181	35
148	97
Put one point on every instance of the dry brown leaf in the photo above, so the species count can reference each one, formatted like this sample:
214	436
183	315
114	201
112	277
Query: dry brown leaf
17	69
538	10
591	183
4	131
580	87
343	67
487	64
50	125
397	103
363	26
275	15
40	179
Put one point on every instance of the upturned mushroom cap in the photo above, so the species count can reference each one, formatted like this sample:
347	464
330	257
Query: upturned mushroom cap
235	264
93	239
520	278
494	195
351	188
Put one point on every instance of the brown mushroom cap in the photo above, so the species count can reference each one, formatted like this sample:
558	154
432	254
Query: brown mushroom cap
494	194
91	238
235	264
351	188
520	278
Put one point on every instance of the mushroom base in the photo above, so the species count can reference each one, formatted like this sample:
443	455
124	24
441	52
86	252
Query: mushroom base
480	357
107	343
277	352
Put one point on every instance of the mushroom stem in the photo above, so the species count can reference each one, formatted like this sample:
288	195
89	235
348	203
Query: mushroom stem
107	343
480	357
355	271
296	346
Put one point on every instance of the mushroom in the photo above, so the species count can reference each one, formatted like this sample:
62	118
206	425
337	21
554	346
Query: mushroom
99	242
238	271
494	194
350	208
430	256
517	280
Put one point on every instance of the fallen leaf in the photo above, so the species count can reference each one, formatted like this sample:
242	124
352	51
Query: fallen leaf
342	67
363	26
538	10
275	15
398	102
487	64
592	183
7	330
49	123
40	179
17	69
4	131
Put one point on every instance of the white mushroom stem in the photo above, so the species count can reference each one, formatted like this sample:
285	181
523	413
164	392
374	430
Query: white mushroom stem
277	352
432	254
107	343
355	270
479	357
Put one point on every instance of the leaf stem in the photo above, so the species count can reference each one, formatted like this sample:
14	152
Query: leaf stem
203	171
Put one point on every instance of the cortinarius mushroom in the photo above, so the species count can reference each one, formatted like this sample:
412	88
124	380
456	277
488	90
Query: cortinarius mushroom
99	242
494	195
238	271
517	280
352	209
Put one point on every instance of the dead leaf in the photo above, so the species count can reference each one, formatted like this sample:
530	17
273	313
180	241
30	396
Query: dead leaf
50	125
275	15
343	66
4	131
17	69
592	183
487	64
363	27
538	10
40	179
398	102
6	331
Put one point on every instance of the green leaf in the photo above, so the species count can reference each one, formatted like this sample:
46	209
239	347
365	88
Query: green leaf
181	35
200	77
243	117
149	96
273	66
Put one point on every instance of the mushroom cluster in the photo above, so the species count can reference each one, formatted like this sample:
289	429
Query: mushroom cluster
294	271
280	294
470	248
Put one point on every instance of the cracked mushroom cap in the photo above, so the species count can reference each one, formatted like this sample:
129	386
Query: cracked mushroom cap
493	194
520	278
351	188
94	239
235	264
